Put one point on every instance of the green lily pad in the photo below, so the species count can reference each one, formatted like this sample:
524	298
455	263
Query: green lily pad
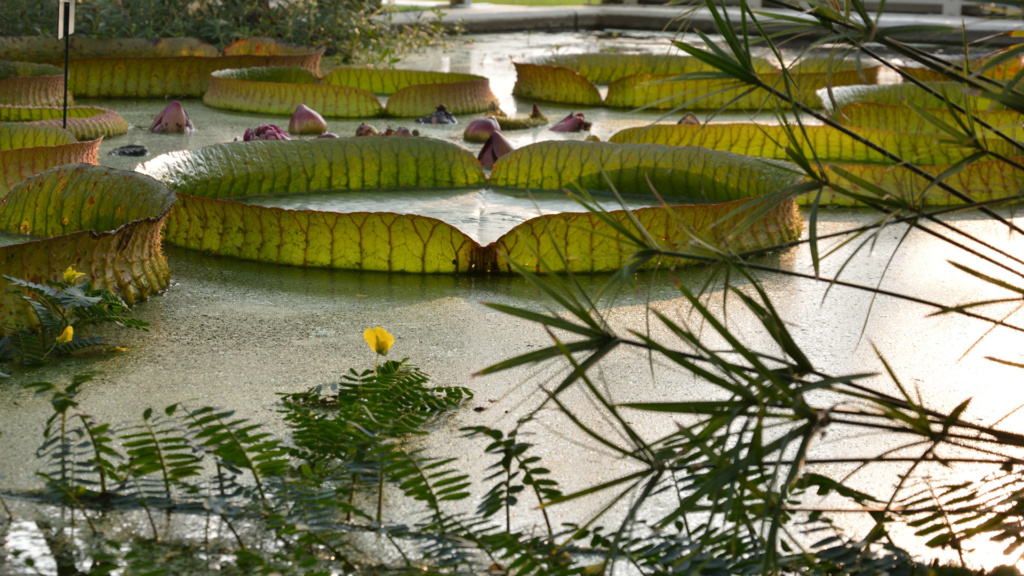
348	92
900	118
980	181
279	90
31	84
902	94
660	82
103	222
690	172
554	84
205	219
602	68
829	144
28	150
85	122
157	68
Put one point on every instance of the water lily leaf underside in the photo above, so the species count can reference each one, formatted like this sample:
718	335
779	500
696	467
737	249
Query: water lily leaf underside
902	94
828	144
203	220
28	150
84	122
605	68
572	79
280	90
30	84
50	49
103	222
157	68
899	118
982	181
349	92
687	172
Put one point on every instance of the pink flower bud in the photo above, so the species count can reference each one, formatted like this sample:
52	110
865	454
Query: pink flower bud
305	120
571	123
495	147
480	130
173	118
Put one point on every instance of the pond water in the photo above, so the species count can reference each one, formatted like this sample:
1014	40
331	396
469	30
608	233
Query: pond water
234	334
484	215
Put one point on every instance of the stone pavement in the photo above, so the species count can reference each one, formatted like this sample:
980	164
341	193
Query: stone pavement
481	18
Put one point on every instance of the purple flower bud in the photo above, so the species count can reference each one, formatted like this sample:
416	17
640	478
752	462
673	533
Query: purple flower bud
480	130
571	123
173	118
305	120
265	132
495	147
366	130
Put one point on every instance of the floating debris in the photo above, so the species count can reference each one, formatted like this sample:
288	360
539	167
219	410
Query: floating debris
690	119
522	122
439	116
130	150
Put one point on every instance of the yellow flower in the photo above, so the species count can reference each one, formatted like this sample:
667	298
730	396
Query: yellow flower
379	339
70	275
66	335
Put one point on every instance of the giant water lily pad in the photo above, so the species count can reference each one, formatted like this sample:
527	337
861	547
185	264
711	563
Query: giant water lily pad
84	122
28	150
279	90
1000	65
103	222
826	143
660	82
348	92
901	118
690	172
204	218
833	148
980	181
902	94
31	84
156	68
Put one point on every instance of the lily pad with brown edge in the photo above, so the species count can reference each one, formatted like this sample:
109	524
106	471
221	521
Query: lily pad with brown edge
84	122
279	90
157	68
824	142
28	150
204	219
31	84
100	221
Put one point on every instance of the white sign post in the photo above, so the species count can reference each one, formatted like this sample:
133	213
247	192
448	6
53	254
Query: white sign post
65	28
